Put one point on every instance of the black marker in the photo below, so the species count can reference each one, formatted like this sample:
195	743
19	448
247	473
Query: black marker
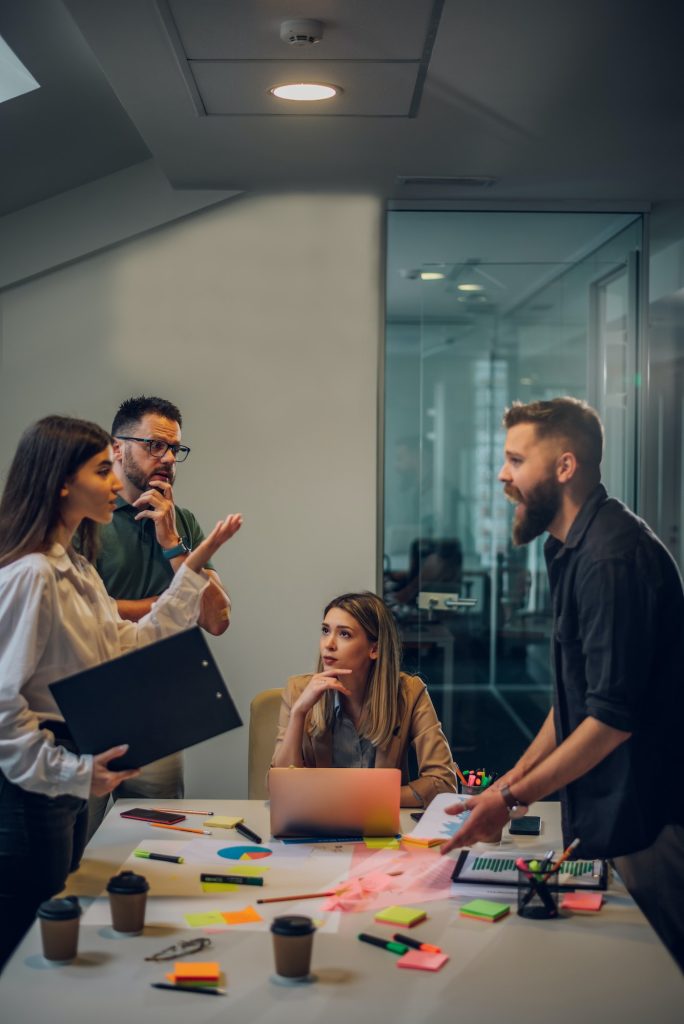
390	946
247	833
188	988
233	879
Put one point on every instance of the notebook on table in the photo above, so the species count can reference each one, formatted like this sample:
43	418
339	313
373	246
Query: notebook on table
159	699
338	802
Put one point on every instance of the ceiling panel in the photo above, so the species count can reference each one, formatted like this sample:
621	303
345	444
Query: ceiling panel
354	29
369	89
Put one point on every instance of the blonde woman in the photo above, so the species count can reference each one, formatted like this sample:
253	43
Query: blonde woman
359	710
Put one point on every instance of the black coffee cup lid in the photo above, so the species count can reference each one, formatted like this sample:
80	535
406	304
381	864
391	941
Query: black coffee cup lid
292	924
128	883
60	910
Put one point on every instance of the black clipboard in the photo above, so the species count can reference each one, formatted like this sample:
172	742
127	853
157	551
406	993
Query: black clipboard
465	871
159	699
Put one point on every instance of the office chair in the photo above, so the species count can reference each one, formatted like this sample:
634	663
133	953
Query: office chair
263	726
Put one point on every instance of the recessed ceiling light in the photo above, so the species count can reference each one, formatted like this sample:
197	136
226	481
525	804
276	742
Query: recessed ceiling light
469	287
305	92
431	275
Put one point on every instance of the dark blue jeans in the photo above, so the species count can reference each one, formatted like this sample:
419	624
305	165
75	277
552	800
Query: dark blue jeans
41	841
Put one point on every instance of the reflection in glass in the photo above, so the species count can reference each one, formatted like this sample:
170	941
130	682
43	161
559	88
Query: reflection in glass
547	307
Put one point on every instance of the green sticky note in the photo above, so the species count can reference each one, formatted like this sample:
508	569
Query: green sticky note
404	916
382	843
219	887
205	919
487	909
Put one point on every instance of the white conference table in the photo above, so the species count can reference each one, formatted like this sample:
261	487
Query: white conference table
606	967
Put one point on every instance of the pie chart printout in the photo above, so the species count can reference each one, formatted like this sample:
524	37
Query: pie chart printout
244	852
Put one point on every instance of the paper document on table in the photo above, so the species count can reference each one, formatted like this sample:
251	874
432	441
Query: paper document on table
388	877
436	823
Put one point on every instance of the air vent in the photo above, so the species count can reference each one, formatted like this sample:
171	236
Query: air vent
462	181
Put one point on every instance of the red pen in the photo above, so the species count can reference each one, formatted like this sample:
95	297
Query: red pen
408	940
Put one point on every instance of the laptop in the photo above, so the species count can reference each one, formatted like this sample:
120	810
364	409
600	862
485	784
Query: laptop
160	698
335	802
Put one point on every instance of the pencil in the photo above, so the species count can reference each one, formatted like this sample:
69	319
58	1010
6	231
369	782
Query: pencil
179	828
563	857
183	810
302	896
460	774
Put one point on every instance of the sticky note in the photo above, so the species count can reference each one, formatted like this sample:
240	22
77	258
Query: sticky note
485	910
421	960
208	970
207	918
582	901
404	916
412	840
219	887
382	843
245	916
243	867
217	821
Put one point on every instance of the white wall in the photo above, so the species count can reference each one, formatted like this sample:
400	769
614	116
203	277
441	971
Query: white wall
261	319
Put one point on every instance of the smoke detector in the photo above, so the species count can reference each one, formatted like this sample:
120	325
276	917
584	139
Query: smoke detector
301	32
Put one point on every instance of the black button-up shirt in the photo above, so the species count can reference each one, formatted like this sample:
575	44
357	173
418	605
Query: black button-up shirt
618	646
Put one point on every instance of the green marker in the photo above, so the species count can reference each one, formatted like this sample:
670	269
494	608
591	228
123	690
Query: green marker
388	944
158	856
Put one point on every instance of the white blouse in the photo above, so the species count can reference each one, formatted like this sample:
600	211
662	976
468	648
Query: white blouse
57	619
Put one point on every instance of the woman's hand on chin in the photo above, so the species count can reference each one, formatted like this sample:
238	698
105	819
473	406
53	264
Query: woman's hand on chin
317	686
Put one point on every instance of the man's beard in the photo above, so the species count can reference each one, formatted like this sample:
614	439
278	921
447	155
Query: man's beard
135	475
540	509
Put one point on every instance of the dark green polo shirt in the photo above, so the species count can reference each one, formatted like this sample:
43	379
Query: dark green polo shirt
131	562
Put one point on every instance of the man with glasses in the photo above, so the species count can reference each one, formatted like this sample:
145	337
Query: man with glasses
147	541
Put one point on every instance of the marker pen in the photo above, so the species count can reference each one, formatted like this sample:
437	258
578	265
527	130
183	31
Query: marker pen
158	856
415	944
391	947
233	879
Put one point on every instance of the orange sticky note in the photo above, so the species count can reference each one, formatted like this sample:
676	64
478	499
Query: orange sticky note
207	971
582	901
245	916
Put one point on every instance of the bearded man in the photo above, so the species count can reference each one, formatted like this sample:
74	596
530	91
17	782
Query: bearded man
147	541
613	741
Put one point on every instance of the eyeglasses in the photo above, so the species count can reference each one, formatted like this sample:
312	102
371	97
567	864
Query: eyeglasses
158	449
183	948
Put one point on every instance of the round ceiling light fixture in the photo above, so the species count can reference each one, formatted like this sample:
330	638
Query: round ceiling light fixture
305	92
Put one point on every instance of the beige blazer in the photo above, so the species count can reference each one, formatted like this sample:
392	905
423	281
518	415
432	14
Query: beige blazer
417	724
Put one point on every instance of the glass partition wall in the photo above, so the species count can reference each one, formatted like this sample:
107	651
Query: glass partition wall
483	309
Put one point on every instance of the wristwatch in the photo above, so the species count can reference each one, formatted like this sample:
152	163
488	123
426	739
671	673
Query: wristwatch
178	549
515	808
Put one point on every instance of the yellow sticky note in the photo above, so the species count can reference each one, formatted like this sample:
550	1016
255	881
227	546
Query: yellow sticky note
217	821
245	916
200	920
219	887
242	867
405	916
382	843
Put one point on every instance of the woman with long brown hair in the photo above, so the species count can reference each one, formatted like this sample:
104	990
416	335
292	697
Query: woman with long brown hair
359	710
56	619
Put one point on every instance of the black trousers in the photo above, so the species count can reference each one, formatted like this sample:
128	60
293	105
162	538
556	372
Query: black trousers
655	880
41	841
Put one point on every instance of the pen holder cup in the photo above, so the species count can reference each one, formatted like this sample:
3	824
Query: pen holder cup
536	898
495	837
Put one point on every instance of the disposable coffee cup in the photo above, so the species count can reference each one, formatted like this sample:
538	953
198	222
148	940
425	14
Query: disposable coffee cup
292	942
127	898
59	920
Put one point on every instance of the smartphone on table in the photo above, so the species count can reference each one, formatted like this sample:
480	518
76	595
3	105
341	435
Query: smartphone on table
157	817
529	825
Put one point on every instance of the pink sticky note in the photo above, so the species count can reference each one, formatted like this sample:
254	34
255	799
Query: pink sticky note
582	901
421	960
